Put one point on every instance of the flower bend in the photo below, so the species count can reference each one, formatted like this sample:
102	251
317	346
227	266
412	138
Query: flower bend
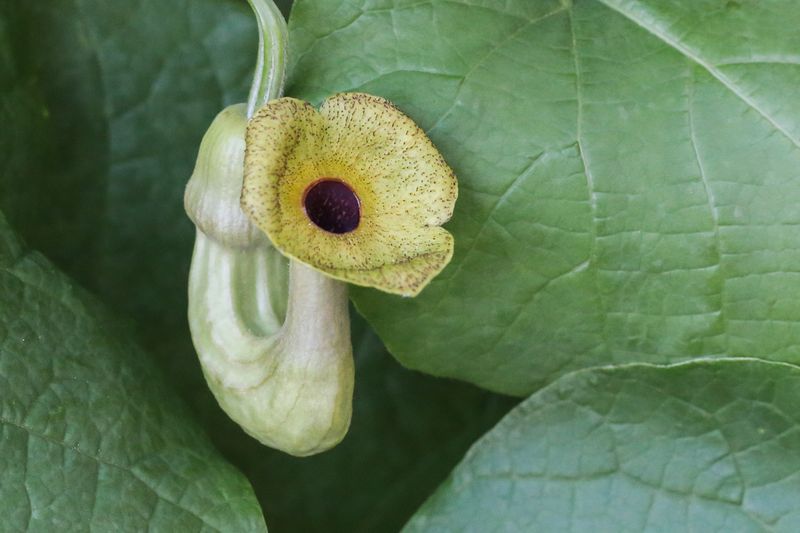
355	190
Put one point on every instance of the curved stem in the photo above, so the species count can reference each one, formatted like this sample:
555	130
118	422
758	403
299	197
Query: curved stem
271	61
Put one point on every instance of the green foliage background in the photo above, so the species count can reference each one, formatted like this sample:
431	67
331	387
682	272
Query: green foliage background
626	257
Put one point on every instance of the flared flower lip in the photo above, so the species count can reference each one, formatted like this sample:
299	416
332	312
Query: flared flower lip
404	189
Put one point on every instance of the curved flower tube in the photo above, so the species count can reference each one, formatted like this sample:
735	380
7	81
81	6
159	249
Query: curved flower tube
273	340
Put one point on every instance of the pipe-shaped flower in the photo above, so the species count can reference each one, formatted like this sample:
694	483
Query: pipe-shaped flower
355	190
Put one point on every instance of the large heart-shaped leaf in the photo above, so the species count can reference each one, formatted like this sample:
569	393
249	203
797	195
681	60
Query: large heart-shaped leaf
628	176
703	446
90	435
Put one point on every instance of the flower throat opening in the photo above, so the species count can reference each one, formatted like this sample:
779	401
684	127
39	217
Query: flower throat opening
332	205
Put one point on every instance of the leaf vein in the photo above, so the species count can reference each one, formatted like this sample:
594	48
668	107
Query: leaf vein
101	460
690	82
680	47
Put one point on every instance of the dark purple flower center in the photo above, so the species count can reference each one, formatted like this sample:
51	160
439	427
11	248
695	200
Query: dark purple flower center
332	205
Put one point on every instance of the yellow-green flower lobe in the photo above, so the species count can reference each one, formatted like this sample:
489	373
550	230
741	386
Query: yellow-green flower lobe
404	190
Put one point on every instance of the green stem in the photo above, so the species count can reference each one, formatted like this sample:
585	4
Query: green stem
271	62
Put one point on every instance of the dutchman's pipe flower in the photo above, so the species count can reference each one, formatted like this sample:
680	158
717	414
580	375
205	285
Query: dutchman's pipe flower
353	192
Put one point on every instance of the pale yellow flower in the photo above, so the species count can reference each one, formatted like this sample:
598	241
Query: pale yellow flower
355	190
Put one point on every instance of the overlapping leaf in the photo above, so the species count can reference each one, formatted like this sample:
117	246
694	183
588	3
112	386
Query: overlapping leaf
90	435
704	446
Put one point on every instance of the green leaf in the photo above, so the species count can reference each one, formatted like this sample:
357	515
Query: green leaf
408	432
628	176
704	446
90	435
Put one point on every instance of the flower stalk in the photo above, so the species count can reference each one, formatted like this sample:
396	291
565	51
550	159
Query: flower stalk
270	72
273	339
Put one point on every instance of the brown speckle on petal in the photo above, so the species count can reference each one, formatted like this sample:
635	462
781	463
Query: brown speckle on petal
355	190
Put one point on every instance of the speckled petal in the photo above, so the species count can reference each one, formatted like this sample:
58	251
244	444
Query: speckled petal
404	187
394	155
283	143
